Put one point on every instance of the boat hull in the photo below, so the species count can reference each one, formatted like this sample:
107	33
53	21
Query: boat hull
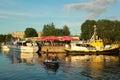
25	49
4	47
107	51
51	64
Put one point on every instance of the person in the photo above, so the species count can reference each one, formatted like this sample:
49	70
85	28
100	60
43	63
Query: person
54	57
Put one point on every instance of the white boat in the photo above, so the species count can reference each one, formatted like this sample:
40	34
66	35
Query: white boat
25	46
93	46
4	46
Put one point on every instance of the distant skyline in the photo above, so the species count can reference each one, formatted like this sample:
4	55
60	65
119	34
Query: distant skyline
17	15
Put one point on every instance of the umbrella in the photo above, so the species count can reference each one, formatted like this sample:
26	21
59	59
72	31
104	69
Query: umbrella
67	38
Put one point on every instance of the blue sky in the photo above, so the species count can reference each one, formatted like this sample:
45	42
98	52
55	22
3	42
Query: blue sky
17	15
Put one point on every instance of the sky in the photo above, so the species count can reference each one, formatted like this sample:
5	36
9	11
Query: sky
17	15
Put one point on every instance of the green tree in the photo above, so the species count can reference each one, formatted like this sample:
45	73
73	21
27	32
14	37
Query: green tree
2	38
58	32
108	30
66	31
5	38
48	29
8	37
87	29
31	32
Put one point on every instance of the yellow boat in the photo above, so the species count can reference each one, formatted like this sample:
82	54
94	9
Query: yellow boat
95	45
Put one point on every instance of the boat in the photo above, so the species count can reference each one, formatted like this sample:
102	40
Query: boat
52	63
25	46
95	45
4	47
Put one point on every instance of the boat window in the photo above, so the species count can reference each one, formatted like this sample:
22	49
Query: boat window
24	44
20	44
78	44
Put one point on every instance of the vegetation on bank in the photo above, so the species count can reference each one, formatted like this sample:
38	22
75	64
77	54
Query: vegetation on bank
108	30
5	38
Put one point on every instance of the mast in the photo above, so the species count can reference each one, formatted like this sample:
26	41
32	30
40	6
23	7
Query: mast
94	36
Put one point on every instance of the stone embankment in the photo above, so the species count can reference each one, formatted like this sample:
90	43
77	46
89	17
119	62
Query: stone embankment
53	49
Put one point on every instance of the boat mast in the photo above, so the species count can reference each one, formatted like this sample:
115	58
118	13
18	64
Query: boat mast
94	36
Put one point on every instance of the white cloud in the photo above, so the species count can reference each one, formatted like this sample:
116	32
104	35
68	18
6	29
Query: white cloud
94	7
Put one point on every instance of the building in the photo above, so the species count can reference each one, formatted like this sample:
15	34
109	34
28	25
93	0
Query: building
18	34
39	34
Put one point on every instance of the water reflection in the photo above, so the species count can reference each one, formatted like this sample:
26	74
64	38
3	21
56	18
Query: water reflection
29	58
17	57
96	66
79	67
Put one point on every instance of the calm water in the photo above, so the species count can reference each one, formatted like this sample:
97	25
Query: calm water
29	66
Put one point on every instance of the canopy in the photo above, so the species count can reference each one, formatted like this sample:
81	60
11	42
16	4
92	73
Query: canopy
55	38
48	38
67	38
52	38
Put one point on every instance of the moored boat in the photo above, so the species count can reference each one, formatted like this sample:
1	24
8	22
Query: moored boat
4	46
25	46
95	45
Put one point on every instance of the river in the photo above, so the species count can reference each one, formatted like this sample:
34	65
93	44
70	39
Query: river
29	66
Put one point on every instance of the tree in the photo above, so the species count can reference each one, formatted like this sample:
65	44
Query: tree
108	30
50	29
31	32
2	38
8	37
66	31
5	38
87	29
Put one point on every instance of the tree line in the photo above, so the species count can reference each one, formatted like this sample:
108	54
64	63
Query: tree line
108	30
48	30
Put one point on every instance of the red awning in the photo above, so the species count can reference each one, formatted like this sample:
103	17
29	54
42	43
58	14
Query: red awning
52	38
67	38
48	38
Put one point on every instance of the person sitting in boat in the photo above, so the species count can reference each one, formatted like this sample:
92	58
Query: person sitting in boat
54	57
